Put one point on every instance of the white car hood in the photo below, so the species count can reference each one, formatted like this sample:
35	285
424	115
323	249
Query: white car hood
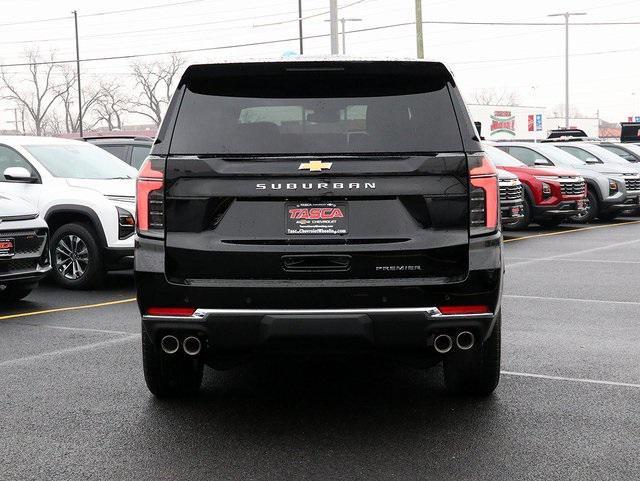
108	187
12	206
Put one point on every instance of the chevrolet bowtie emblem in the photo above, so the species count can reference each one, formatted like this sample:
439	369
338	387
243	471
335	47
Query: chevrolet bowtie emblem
315	166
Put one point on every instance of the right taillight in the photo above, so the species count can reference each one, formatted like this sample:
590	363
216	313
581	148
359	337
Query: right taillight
483	196
150	198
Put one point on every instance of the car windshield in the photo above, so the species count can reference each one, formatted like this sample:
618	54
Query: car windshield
80	161
501	158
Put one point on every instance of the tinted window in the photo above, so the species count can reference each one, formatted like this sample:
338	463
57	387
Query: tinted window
11	158
621	152
80	161
579	153
316	113
529	156
119	151
140	152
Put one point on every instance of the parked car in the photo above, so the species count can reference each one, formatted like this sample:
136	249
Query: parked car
132	150
551	195
511	197
629	152
318	207
611	189
86	196
24	249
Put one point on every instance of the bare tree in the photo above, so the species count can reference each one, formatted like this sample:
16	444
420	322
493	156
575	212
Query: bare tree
68	91
110	105
155	81
496	97
38	93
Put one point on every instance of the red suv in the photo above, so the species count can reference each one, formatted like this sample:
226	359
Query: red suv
552	195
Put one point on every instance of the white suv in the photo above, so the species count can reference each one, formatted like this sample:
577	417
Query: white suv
86	195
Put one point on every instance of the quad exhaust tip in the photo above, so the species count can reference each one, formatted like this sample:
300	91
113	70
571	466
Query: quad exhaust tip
170	344
192	346
465	340
443	343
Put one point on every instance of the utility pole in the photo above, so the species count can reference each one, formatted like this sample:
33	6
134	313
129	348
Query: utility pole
566	16
75	21
343	33
333	19
300	25
419	41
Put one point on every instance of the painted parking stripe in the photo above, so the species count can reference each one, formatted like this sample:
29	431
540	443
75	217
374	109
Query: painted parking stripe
570	379
571	299
70	350
548	234
559	259
78	329
62	309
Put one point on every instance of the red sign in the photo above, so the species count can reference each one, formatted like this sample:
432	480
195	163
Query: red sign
532	123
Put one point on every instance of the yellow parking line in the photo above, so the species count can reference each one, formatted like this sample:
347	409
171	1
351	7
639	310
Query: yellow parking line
70	308
572	230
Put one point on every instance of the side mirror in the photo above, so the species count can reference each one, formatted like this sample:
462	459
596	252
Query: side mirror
592	160
541	162
18	174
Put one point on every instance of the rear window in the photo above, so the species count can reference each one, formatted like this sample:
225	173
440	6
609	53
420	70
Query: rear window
316	113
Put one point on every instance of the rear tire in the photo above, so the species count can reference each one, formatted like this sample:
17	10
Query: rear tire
169	375
475	372
13	294
523	223
80	239
591	212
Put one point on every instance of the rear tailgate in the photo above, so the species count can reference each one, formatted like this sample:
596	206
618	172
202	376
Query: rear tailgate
403	217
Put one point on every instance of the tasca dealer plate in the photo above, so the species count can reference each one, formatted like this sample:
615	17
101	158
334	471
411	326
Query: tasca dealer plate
7	247
325	218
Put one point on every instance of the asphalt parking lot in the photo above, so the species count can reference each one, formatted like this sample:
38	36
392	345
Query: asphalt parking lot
74	406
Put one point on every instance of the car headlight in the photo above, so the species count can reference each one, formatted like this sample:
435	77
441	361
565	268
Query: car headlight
126	223
613	187
546	190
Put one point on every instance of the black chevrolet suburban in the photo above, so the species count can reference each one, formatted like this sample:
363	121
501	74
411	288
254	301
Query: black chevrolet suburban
300	207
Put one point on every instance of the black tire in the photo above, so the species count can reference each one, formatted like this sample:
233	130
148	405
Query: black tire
93	273
549	223
475	372
609	216
11	293
592	209
169	375
523	223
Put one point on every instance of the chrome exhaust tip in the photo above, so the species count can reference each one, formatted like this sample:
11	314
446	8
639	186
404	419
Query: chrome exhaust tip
443	343
465	340
192	346
170	344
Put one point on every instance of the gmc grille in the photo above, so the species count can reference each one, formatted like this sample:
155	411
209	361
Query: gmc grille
510	192
572	187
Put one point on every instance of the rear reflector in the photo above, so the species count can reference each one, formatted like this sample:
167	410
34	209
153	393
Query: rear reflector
170	311
473	309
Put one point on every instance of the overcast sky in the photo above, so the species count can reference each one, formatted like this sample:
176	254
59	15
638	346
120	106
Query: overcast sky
526	59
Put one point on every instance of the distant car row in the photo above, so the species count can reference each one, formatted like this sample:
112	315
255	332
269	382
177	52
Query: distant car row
570	181
84	195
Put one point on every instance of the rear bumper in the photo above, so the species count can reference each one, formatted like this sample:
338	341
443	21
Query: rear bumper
246	331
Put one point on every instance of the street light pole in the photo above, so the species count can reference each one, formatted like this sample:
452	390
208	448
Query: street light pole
75	21
566	16
333	15
419	41
343	22
300	25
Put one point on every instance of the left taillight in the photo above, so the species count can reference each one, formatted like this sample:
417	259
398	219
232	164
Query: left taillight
483	196
150	198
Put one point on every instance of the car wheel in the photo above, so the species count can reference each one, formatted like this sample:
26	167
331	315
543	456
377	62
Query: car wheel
169	375
590	213
13	293
76	258
475	372
523	223
608	216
